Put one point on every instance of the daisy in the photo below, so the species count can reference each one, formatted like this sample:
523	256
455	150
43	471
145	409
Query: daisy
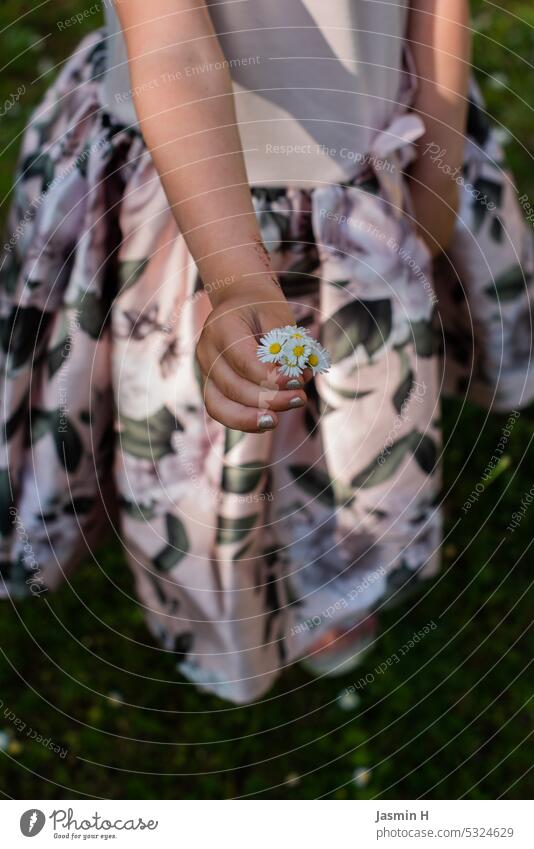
297	351
291	369
319	359
295	332
272	345
293	349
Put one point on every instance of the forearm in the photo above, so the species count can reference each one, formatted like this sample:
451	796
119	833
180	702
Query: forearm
440	40
183	97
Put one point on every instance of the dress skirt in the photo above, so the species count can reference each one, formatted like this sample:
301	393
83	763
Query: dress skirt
245	548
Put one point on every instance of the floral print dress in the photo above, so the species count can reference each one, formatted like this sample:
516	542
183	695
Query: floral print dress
245	548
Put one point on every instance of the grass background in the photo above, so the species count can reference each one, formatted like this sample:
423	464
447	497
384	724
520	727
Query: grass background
452	720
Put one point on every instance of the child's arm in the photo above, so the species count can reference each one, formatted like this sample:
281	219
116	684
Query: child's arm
440	40
183	97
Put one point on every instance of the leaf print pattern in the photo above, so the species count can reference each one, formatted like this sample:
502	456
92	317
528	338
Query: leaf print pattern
404	389
387	463
242	479
486	192
149	438
92	314
425	452
66	439
68	444
232	438
22	333
130	271
39	165
231	530
508	286
315	483
384	465
183	645
366	323
353	394
16	421
6	502
422	336
57	356
138	511
39	424
177	547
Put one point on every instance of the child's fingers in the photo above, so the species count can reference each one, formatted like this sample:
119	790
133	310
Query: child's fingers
234	415
243	360
240	355
265	396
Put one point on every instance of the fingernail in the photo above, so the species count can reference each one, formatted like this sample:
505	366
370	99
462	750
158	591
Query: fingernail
294	384
296	402
265	422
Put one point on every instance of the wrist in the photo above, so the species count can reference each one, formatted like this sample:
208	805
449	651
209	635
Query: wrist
249	288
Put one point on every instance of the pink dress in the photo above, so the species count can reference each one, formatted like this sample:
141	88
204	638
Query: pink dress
244	548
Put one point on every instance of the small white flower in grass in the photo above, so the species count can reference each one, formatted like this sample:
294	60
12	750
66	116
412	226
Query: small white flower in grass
115	698
271	345
361	776
348	700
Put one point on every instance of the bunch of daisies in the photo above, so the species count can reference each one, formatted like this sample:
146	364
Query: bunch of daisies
293	349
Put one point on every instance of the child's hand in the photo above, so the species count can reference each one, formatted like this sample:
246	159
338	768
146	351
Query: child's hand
239	391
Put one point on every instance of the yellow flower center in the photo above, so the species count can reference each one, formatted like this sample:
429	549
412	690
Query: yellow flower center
313	359
275	348
298	350
297	336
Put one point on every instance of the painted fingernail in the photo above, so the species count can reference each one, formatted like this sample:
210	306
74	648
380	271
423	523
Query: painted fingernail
296	402
265	422
294	384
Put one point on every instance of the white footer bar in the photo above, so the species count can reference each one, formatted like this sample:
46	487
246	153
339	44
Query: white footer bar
257	824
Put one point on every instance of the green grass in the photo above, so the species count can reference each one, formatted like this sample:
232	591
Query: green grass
450	720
